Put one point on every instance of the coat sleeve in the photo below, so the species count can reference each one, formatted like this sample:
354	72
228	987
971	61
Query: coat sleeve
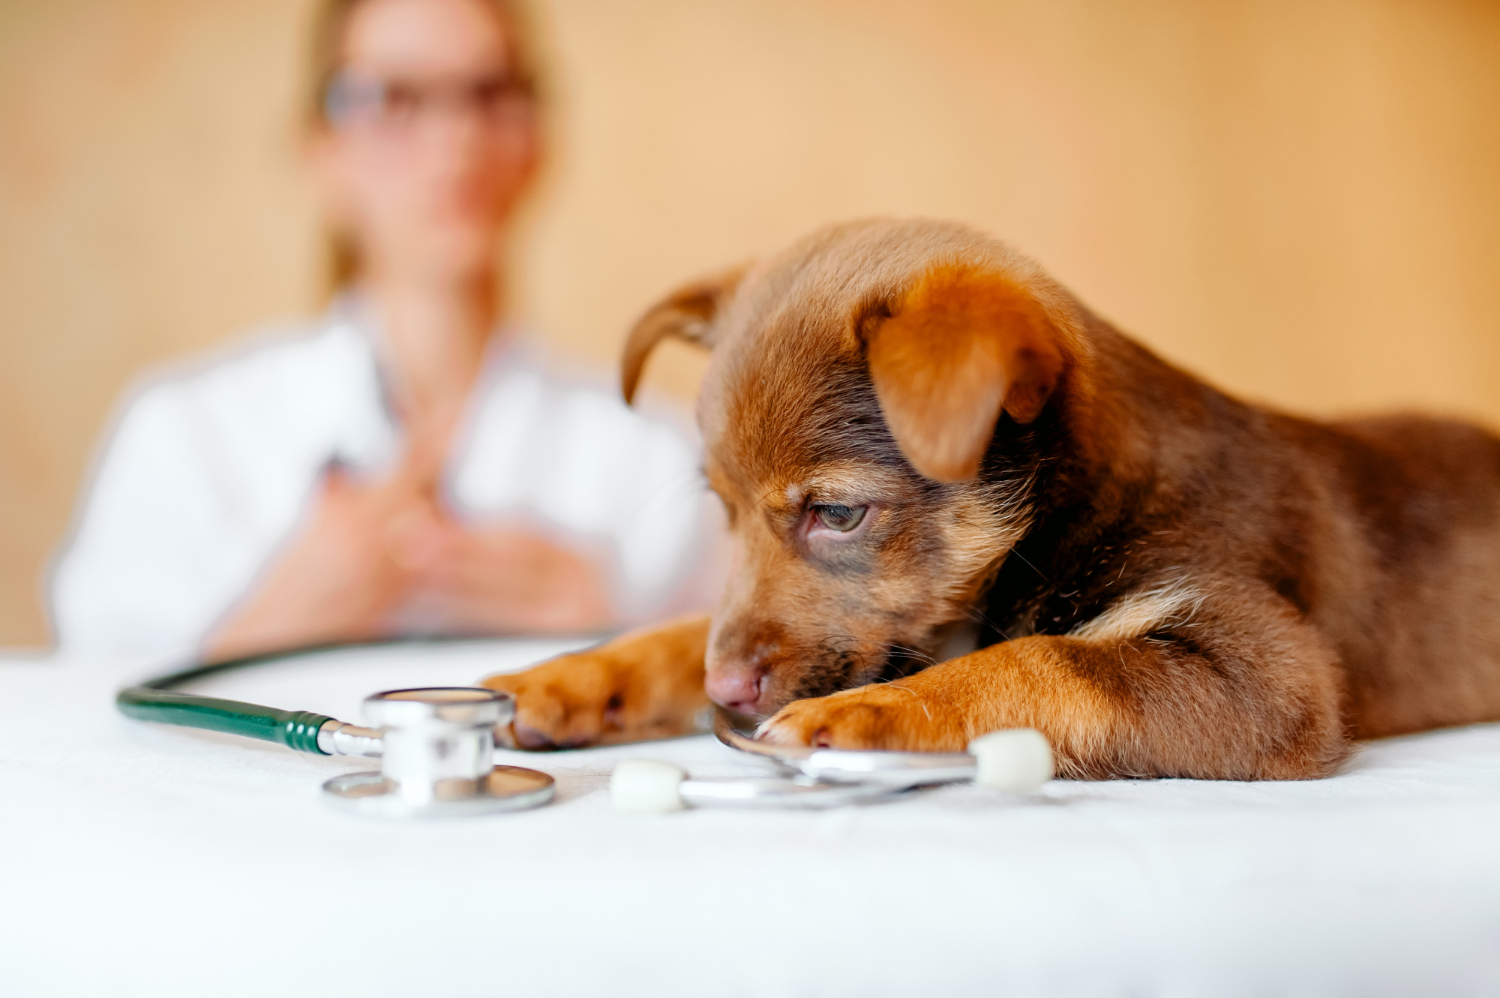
154	559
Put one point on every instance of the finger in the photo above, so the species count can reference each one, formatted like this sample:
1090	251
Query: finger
423	458
469	557
469	587
336	482
415	538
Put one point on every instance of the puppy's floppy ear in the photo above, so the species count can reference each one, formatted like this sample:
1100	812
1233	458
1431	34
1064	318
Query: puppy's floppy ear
960	345
687	314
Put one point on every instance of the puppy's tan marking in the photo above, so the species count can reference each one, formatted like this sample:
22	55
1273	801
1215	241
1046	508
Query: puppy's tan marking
1168	604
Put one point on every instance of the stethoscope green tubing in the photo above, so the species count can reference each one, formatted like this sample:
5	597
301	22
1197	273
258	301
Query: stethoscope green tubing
158	700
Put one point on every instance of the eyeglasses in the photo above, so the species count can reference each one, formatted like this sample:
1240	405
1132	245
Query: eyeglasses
500	100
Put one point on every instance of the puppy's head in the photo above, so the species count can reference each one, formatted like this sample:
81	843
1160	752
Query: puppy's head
871	416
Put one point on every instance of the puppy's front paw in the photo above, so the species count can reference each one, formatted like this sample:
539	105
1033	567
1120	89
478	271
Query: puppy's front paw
568	702
643	685
885	716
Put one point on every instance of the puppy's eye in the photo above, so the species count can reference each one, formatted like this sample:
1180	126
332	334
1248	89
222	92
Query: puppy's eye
840	518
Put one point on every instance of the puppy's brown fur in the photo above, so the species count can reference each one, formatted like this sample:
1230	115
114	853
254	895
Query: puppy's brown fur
1164	580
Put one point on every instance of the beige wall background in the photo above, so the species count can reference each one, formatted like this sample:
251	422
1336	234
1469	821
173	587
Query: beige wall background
1298	200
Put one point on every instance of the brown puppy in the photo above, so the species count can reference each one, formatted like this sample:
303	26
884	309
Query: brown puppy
918	434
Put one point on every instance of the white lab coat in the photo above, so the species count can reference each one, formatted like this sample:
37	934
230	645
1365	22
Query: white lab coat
210	470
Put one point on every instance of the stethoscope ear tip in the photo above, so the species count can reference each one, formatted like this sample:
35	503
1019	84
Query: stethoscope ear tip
1016	760
646	786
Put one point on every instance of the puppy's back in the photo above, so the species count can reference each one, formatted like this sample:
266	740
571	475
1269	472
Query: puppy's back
1418	624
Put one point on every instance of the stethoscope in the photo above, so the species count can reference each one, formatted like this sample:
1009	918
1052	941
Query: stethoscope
1015	760
436	748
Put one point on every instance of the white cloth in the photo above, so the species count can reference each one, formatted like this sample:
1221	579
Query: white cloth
211	468
138	859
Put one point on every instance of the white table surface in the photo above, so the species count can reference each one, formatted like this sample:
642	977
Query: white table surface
144	859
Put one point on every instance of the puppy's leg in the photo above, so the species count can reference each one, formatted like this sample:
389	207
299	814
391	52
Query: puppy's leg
1210	702
646	684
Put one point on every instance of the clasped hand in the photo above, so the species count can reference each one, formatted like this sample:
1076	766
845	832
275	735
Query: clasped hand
373	558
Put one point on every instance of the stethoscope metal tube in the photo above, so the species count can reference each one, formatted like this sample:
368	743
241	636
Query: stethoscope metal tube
1016	760
338	738
892	770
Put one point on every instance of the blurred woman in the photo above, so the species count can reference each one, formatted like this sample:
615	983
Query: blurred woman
406	464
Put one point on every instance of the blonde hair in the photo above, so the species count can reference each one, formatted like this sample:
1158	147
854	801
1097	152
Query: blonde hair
325	60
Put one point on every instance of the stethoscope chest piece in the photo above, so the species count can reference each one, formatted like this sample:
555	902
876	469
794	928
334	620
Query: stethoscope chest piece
437	758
